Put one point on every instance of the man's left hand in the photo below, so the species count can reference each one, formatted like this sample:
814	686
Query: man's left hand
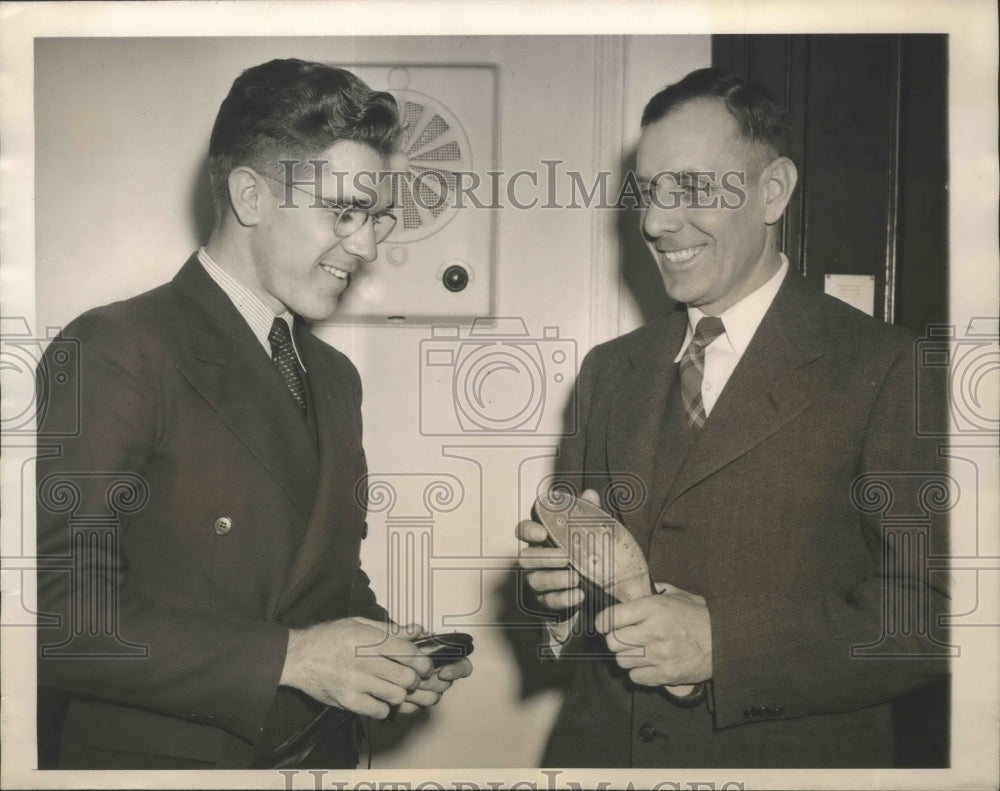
663	639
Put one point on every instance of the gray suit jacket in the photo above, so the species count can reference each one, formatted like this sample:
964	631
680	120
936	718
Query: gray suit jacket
779	515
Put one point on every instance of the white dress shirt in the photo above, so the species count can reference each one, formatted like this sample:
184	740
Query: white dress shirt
258	315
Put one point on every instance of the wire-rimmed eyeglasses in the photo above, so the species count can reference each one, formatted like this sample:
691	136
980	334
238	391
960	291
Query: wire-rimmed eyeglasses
349	218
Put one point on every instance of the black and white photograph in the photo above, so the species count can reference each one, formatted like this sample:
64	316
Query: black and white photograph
500	395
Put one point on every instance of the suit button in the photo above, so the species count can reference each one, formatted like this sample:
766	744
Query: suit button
647	732
364	531
223	525
777	711
749	714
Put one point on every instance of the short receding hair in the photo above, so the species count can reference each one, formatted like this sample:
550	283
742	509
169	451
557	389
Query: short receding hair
761	119
293	110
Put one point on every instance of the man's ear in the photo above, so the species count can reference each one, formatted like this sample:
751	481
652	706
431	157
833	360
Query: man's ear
778	179
245	195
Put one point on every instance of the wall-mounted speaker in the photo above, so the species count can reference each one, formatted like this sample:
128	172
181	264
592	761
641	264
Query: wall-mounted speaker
439	262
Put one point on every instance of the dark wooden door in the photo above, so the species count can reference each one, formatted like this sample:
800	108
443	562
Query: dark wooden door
869	119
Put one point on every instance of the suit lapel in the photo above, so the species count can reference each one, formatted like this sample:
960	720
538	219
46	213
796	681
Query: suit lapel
231	371
638	413
770	386
333	409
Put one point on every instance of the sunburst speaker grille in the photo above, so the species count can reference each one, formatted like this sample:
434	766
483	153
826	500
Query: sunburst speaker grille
437	149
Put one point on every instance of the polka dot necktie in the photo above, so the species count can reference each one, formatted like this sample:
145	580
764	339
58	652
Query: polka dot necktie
692	368
287	362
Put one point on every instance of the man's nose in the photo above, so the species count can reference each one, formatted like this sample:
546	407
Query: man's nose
657	220
362	242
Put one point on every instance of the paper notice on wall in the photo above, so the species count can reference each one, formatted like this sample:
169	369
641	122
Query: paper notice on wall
856	290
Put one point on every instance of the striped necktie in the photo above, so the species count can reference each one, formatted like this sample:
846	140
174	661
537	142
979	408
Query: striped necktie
692	368
287	362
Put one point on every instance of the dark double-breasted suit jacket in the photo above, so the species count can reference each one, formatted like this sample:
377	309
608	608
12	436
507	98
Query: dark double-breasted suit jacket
193	518
778	516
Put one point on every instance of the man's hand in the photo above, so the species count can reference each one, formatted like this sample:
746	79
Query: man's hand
430	690
663	639
550	575
355	664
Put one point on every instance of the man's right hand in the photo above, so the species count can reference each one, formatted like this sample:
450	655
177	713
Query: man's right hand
355	664
550	575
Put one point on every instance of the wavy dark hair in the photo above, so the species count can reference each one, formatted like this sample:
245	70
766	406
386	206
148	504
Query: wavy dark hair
294	109
762	120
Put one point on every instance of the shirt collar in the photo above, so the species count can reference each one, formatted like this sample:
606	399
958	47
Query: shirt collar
253	310
742	319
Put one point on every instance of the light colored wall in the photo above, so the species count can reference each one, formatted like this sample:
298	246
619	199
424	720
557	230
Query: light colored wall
122	127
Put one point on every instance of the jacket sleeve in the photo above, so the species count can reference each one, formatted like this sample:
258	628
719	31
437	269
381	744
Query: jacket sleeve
571	463
96	636
842	650
363	601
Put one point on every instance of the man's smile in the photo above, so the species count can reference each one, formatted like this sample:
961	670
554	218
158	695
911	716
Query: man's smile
682	256
340	274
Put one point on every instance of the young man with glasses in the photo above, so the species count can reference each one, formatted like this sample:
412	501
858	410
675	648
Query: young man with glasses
225	621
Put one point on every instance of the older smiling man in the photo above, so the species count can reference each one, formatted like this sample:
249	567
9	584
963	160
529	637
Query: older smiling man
747	416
